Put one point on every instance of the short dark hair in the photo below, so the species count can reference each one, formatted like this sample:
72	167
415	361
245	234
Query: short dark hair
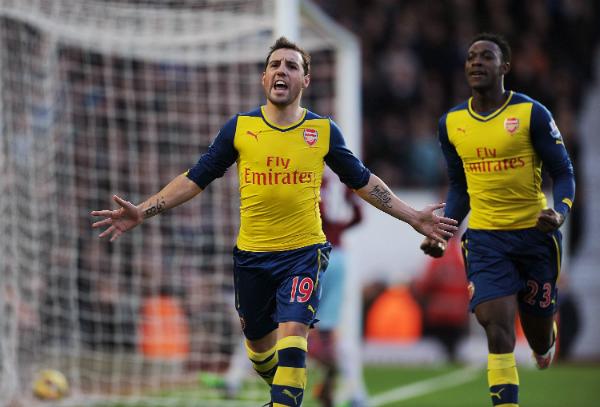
497	39
283	42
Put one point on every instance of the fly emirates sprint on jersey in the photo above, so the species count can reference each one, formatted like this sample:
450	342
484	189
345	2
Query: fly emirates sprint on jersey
279	173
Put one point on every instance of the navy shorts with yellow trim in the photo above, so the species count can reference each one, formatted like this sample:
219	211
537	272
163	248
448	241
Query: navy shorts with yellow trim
274	287
525	262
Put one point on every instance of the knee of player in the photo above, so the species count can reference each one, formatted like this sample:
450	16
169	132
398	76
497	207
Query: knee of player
500	335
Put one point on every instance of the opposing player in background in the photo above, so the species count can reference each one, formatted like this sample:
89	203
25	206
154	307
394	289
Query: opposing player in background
329	344
281	251
441	291
495	144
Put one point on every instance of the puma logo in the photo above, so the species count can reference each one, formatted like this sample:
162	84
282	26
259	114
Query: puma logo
295	398
461	130
497	394
255	135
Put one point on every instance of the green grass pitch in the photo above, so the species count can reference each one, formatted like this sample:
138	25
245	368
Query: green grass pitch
559	386
563	385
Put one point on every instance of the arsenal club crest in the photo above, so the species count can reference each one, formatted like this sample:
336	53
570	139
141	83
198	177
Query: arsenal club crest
311	136
511	124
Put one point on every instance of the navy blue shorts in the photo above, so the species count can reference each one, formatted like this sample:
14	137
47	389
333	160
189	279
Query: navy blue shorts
274	287
525	262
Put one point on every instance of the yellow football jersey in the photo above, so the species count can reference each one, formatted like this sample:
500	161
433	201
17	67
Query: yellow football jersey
280	172
501	158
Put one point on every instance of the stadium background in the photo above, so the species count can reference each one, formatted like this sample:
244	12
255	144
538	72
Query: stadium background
412	55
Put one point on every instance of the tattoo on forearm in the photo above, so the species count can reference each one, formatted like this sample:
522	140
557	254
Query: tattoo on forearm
383	197
156	208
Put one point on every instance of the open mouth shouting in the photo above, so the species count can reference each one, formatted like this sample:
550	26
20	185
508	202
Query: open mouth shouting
280	86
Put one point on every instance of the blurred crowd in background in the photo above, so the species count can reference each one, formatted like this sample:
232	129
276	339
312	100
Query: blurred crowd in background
413	56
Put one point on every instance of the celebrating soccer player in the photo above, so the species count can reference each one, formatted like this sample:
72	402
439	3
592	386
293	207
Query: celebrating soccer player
280	150
495	144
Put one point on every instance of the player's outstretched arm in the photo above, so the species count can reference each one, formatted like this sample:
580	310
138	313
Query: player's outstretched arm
424	221
128	216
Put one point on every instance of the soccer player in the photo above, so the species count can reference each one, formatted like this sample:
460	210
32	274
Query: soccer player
328	343
280	149
495	144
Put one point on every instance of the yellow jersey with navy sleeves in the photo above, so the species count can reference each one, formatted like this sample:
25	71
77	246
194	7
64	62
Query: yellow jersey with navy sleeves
495	163
280	172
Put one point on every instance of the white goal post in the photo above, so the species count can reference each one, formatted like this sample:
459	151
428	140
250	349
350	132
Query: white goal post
119	96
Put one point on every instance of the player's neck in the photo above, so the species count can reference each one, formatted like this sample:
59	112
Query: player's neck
283	116
488	100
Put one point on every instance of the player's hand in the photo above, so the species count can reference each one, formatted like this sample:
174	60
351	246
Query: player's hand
433	248
549	220
119	220
437	228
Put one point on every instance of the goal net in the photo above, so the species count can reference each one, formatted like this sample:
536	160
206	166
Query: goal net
102	97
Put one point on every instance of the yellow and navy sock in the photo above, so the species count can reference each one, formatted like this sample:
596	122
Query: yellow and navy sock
503	379
290	378
265	363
